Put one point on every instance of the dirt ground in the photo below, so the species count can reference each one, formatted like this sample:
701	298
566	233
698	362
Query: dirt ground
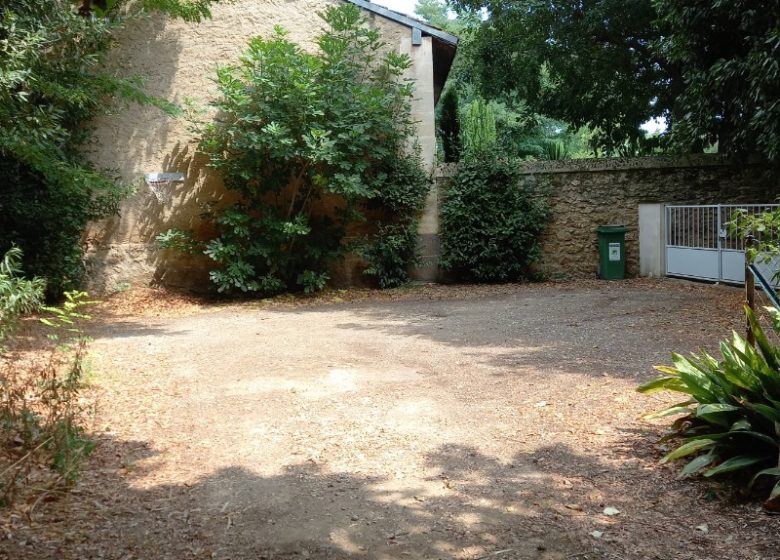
436	422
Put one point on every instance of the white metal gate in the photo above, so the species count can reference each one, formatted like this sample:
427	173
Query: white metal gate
700	245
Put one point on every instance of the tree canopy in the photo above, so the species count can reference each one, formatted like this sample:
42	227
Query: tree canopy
522	130
52	81
728	56
709	68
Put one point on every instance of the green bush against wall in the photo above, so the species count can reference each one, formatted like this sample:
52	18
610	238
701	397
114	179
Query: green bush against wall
490	222
314	144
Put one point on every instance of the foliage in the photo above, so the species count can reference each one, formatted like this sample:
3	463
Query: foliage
435	13
708	69
392	250
52	81
448	125
521	131
587	64
41	412
555	150
479	127
490	222
314	144
439	14
764	231
49	84
18	296
187	10
728	56
731	415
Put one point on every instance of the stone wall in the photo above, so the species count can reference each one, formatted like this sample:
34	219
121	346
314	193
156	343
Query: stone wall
178	61
584	194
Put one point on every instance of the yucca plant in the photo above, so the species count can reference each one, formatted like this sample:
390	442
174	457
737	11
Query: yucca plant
555	150
731	419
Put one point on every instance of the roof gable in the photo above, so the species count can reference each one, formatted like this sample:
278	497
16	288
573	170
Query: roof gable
416	25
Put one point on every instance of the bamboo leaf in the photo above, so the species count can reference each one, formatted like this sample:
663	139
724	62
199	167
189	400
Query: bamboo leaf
716	408
668	370
770	413
697	382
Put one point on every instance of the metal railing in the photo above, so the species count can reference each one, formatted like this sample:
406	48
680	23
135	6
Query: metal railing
706	226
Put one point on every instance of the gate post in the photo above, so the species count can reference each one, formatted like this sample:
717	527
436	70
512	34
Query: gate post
652	240
721	236
750	291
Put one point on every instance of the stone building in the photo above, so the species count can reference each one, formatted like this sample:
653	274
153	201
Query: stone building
178	61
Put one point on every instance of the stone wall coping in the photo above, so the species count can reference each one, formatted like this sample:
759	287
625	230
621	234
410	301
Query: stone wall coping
447	170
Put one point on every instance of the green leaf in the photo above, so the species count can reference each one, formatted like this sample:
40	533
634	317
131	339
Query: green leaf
716	413
763	438
770	413
715	408
774	471
698	464
689	448
696	381
769	351
664	384
671	411
736	463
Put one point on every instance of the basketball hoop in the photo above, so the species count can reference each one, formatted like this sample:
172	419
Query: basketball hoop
160	184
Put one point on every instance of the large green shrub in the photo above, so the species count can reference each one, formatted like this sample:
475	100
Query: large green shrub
490	222
730	418
314	144
52	81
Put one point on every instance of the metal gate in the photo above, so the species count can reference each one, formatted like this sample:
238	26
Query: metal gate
700	245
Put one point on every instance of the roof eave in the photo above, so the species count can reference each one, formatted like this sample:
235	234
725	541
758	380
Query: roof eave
412	23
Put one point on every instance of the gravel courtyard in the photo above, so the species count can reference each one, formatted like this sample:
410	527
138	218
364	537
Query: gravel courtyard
436	422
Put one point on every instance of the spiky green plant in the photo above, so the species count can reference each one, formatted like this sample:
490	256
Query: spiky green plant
555	150
731	419
478	130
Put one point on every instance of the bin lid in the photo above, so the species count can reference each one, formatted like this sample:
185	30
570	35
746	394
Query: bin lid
612	229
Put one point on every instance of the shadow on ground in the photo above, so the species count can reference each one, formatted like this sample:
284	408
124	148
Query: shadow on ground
544	505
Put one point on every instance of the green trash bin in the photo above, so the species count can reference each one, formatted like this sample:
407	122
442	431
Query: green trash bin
612	252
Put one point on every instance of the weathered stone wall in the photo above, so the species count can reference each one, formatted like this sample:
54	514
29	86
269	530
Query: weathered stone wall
584	194
178	61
